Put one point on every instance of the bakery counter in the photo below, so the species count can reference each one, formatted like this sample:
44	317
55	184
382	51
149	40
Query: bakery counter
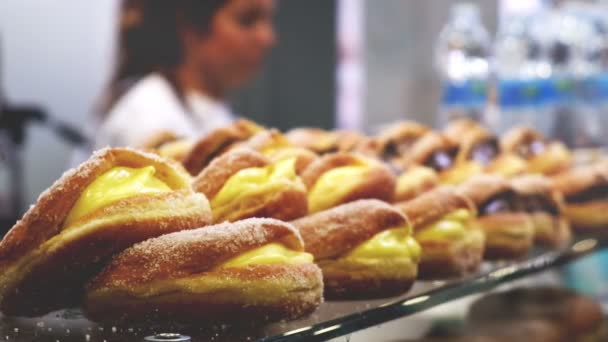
332	319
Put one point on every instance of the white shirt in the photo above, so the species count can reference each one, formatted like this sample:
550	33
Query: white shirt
150	106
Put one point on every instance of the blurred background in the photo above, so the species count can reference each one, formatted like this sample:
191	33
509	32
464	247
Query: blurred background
341	63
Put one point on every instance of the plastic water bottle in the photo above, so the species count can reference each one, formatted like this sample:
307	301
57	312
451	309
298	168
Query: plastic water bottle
462	56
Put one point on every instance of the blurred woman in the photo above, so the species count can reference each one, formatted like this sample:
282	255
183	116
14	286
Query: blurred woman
179	60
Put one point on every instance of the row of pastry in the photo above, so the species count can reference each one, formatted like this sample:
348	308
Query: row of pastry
249	221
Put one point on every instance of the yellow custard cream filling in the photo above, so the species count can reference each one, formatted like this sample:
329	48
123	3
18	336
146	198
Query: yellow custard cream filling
410	180
273	253
451	226
116	184
388	244
334	185
256	180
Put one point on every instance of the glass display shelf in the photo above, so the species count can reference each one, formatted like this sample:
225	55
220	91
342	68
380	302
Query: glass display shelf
331	320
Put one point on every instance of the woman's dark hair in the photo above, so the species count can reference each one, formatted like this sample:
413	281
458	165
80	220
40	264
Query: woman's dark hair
149	39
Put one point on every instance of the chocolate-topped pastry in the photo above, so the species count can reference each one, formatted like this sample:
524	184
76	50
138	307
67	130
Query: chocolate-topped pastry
508	226
443	223
476	143
585	192
433	150
441	154
542	155
395	142
544	204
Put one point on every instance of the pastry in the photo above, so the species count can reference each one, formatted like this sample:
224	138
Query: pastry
277	147
444	226
115	199
585	191
542	155
216	143
508	227
396	141
436	151
364	248
544	205
255	268
338	178
414	181
243	183
322	141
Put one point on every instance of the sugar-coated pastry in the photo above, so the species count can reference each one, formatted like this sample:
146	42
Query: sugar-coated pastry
255	269
244	183
544	205
157	139
507	165
277	147
508	227
216	143
115	199
414	181
322	141
585	191
364	248
542	156
338	178
444	226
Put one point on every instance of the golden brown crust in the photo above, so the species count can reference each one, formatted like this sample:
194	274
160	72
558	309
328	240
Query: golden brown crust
451	258
46	264
217	142
281	148
415	181
511	141
192	252
333	232
461	127
529	185
550	230
211	180
296	290
314	139
53	276
587	217
428	144
403	131
481	187
433	205
157	139
44	219
508	235
580	179
129	285
507	165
